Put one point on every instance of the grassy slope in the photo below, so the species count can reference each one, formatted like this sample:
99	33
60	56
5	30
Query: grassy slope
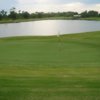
48	68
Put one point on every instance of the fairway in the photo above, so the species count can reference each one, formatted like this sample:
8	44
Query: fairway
50	68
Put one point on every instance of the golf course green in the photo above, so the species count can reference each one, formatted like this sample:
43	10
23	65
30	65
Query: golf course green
50	67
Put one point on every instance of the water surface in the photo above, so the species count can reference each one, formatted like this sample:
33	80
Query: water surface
48	27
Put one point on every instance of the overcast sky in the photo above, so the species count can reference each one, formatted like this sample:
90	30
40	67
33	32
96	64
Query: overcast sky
51	5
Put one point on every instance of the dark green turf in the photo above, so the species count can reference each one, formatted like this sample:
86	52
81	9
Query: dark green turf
50	68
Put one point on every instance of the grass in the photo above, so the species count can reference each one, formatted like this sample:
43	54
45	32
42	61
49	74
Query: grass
50	68
17	20
50	18
91	18
33	19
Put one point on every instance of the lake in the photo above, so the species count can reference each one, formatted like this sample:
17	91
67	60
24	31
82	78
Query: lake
48	27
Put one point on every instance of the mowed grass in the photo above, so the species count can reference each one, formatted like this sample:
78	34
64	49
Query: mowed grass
50	68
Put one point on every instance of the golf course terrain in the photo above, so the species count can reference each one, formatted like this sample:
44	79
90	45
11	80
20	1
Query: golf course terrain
50	67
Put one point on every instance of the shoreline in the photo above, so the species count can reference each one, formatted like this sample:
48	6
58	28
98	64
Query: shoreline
52	18
35	19
42	37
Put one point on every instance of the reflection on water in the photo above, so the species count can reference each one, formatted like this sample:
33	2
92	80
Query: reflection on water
48	27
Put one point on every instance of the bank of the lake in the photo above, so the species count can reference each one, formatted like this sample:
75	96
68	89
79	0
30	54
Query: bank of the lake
50	68
34	19
91	18
50	18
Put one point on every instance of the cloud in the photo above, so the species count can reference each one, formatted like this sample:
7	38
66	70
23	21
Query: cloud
43	5
51	5
79	7
73	6
33	1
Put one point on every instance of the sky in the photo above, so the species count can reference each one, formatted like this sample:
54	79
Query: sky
51	5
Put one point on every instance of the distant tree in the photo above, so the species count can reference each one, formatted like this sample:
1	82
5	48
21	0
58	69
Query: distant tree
19	11
13	13
40	14
0	16
19	14
93	13
71	14
25	15
3	14
84	14
90	13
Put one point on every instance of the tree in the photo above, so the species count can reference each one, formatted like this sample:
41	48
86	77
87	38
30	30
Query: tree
93	13
3	14
19	14
84	14
13	14
90	13
40	14
0	16
99	15
25	15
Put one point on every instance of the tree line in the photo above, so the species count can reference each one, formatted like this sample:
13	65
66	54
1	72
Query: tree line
13	14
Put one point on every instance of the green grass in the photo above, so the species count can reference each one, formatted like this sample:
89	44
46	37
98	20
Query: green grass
50	68
16	21
34	19
91	18
48	18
